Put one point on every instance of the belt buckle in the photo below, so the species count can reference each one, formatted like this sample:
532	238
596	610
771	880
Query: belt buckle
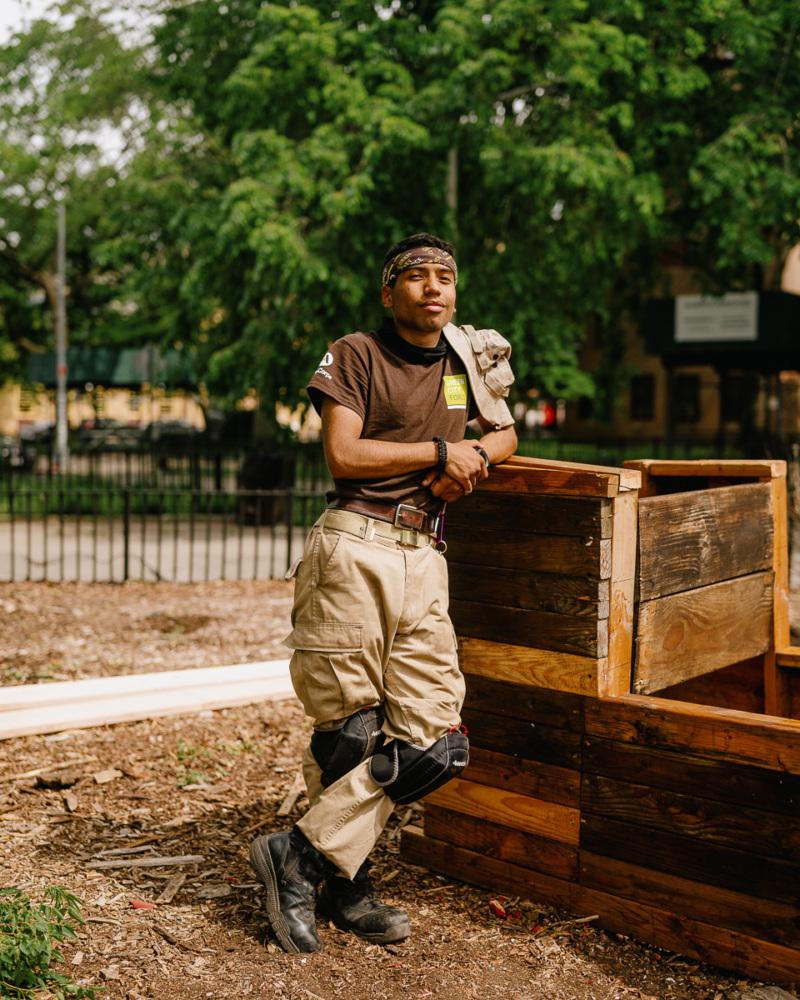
418	516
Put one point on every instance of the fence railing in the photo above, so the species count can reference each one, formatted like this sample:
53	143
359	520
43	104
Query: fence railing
115	534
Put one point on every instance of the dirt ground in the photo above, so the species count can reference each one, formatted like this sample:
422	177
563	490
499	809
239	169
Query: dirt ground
78	808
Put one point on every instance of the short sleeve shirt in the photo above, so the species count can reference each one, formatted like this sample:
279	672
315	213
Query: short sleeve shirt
400	397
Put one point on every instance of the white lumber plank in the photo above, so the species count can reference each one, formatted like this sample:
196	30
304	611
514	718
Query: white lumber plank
127	707
64	692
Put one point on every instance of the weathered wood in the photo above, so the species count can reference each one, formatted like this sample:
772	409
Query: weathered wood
519	627
495	841
688	634
689	540
525	665
532	778
777	687
739	686
530	513
738	785
697	730
789	657
693	816
561	555
517	588
120	704
771	921
617	679
628	479
518	737
704	863
519	812
477	869
718	468
553	709
680	933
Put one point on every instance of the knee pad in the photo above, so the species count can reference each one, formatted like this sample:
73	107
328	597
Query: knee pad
407	773
339	750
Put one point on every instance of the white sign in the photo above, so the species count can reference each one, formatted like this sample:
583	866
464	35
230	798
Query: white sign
704	318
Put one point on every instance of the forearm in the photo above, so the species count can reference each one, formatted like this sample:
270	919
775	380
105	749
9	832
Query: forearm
499	445
366	458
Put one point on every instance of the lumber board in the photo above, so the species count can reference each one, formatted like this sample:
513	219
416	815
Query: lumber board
718	468
520	588
478	869
496	841
789	657
535	779
701	862
561	555
697	730
617	678
516	479
777	687
531	513
579	635
554	709
524	665
518	737
739	686
194	696
689	540
694	816
705	942
65	692
688	634
520	812
768	920
629	479
738	785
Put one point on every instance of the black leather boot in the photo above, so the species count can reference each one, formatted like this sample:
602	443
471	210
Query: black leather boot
355	906
291	869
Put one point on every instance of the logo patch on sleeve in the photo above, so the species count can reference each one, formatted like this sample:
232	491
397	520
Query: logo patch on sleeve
455	391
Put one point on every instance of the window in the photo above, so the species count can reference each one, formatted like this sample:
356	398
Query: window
685	399
643	390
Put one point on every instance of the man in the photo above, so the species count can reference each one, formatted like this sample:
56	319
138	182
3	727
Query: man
375	661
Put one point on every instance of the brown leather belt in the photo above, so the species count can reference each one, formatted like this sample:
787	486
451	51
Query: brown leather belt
400	515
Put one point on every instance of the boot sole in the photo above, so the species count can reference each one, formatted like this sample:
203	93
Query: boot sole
390	936
261	860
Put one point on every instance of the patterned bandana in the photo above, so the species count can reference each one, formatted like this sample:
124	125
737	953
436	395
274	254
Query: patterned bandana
421	255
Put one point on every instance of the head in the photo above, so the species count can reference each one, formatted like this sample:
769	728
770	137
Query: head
419	286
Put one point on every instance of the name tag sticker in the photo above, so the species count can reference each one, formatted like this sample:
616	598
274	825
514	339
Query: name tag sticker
455	391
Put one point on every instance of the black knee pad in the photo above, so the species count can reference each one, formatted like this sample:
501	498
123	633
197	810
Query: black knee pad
339	750
407	773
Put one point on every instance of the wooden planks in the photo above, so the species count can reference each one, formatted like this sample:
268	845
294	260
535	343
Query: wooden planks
529	666
532	513
688	540
685	635
49	708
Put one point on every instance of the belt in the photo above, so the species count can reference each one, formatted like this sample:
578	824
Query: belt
367	527
401	515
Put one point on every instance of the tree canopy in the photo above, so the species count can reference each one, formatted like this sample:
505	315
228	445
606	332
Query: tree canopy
281	147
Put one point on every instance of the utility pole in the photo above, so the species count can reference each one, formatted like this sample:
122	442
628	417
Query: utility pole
62	449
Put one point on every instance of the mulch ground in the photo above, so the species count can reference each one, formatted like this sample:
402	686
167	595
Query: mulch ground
161	812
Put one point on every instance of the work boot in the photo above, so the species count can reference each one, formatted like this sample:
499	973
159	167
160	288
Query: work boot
355	906
291	868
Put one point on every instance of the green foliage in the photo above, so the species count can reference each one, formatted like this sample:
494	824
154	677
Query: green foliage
274	151
29	935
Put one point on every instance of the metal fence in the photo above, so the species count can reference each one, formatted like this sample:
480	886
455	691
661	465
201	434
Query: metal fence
188	516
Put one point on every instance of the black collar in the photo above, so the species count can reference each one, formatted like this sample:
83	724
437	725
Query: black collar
407	351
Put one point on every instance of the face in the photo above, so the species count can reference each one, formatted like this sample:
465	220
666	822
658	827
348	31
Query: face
422	300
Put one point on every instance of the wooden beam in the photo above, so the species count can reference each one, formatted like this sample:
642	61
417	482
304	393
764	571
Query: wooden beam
49	708
616	679
531	667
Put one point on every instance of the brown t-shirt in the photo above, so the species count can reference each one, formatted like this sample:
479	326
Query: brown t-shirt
402	395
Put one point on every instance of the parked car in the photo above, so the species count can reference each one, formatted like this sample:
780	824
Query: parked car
14	454
106	432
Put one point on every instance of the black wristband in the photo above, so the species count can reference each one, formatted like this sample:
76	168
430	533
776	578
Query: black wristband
484	456
441	444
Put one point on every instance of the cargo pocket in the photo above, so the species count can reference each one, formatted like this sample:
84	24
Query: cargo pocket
328	669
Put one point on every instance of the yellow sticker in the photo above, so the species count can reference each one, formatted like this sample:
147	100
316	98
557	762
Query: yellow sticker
455	391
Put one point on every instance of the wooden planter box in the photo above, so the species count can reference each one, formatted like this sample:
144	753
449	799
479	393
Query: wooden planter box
632	705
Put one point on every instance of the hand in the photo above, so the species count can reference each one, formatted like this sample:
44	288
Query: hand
464	464
443	486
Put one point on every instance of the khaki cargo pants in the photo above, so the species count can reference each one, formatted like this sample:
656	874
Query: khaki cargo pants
370	627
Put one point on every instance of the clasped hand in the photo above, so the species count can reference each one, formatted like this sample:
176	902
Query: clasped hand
465	468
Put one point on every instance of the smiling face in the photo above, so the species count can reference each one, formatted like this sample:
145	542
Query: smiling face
422	301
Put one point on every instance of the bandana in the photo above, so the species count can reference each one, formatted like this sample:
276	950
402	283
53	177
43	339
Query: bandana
421	255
